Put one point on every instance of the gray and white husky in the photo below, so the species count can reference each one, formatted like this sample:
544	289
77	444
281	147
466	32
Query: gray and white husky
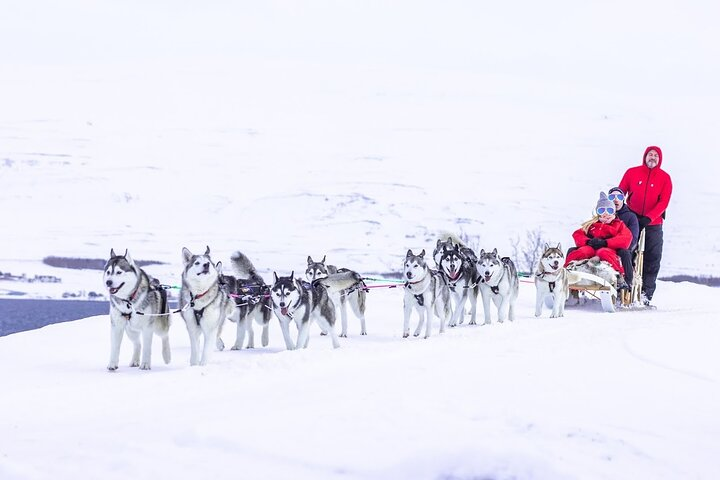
302	303
498	282
138	307
426	292
460	275
551	281
252	301
203	304
355	295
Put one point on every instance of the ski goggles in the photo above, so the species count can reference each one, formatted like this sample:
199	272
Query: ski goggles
616	196
608	210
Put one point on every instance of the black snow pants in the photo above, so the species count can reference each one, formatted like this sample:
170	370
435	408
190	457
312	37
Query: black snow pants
652	257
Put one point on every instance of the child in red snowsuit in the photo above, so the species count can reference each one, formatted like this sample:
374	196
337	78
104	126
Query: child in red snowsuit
602	236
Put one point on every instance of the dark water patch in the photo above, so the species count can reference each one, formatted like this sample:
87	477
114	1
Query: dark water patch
19	315
88	263
700	280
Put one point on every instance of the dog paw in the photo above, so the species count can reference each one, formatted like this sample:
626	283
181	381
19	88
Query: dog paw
472	322
343	335
112	368
145	366
134	364
406	335
235	347
363	333
322	334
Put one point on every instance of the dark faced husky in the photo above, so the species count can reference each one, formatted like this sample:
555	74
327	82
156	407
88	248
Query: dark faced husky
498	281
138	307
551	280
204	305
355	295
252	300
301	303
426	292
460	275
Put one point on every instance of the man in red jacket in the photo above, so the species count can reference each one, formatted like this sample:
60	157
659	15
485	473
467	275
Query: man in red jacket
648	190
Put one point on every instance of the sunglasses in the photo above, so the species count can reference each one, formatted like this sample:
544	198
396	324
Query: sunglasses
616	196
608	210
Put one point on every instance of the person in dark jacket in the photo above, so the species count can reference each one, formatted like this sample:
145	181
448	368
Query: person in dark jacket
602	236
630	220
648	189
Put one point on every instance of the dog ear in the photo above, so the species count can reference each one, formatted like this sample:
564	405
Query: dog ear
292	275
323	260
482	252
128	258
495	251
409	254
218	267
310	260
422	254
186	255
559	247
207	250
112	253
546	246
275	277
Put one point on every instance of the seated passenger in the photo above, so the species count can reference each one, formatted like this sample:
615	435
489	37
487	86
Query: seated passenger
630	219
602	236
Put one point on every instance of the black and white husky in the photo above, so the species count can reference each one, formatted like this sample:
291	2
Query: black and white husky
551	281
295	301
426	292
204	305
252	301
498	282
138	307
460	275
355	295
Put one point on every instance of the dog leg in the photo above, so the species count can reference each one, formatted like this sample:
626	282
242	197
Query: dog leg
473	306
539	298
218	332
486	306
502	307
147	338
304	334
421	321
285	328
116	335
330	329
209	335
428	318
407	310
135	339
358	307
166	348
343	314
265	335
241	330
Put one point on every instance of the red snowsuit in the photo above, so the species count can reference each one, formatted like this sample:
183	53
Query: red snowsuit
648	190
617	235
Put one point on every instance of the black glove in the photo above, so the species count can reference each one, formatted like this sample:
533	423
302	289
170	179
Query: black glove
597	243
643	221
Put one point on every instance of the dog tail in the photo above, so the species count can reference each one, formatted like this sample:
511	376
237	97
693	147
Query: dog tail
339	281
243	266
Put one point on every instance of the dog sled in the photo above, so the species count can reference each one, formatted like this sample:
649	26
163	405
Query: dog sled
596	279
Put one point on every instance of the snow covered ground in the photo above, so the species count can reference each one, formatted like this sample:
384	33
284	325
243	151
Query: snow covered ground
357	130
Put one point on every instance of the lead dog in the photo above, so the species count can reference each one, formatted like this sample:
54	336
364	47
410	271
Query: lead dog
138	307
294	301
498	282
203	304
355	295
426	292
551	281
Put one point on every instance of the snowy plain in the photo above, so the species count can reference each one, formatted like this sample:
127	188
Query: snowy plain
357	130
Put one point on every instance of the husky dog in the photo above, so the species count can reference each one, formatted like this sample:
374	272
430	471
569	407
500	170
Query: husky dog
203	304
460	275
552	280
293	300
449	244
252	300
355	295
425	291
498	281
138	306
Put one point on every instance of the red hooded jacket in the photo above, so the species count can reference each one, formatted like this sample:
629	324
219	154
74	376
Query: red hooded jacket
648	190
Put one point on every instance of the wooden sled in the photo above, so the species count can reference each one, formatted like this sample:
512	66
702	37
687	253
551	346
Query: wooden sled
605	291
